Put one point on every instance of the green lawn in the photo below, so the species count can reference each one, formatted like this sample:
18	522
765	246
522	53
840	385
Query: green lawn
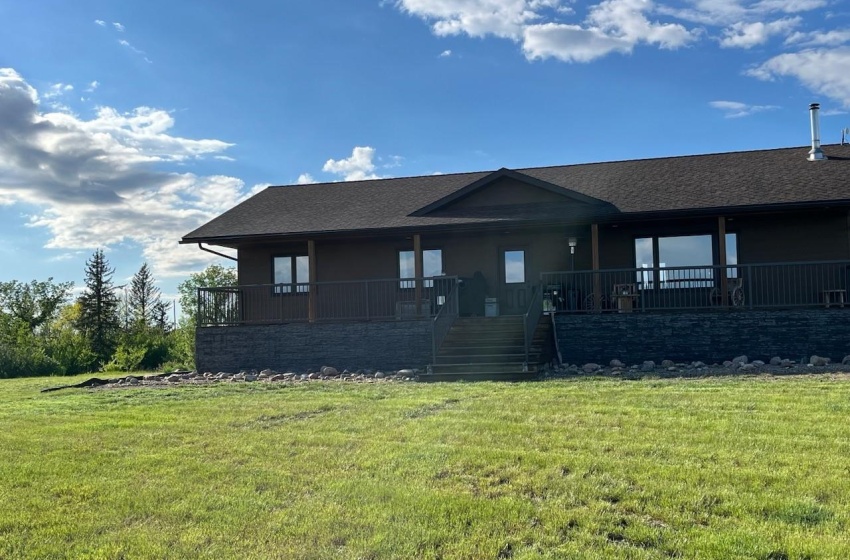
591	468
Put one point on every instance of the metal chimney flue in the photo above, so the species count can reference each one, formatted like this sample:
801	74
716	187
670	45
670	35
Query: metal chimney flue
815	154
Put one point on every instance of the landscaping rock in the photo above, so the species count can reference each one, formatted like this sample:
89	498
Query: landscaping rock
648	365
758	363
845	361
787	363
380	375
590	367
776	361
329	371
406	372
747	367
818	360
698	365
617	363
667	363
739	360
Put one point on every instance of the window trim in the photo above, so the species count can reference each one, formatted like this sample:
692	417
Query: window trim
404	281
290	288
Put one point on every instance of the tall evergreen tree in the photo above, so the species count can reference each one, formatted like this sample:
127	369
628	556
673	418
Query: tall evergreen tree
144	299
160	316
98	319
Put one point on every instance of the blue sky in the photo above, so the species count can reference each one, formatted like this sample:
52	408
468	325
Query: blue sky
125	125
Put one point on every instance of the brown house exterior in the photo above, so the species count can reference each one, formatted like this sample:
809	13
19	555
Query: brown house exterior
685	258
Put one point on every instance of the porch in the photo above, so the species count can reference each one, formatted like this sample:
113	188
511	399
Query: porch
715	301
737	287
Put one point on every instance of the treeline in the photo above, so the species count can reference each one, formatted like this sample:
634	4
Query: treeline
107	328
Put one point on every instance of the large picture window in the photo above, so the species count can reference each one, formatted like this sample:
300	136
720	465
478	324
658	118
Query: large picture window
432	265
291	274
681	251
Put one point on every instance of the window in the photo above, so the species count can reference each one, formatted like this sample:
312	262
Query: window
514	267
291	274
678	252
432	265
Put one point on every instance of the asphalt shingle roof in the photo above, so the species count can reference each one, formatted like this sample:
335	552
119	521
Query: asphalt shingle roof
676	184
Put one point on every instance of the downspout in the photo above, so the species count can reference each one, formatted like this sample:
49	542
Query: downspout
202	248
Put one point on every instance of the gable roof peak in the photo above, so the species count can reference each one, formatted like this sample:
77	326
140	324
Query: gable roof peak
503	173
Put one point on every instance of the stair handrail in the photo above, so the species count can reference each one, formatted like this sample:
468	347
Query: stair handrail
442	322
532	318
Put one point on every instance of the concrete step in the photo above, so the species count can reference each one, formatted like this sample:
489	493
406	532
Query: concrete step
481	359
498	367
453	350
478	376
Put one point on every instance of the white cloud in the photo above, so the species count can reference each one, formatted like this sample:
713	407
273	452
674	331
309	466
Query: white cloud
391	162
57	90
825	71
477	18
610	26
569	43
93	86
306	179
446	53
357	167
788	6
625	19
747	35
817	38
143	54
728	12
736	109
99	182
118	26
100	22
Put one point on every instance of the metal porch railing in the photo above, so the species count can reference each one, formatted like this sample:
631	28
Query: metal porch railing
444	319
738	286
385	299
532	318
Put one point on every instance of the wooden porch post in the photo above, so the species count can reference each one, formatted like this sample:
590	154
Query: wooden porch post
597	281
417	271
311	294
721	260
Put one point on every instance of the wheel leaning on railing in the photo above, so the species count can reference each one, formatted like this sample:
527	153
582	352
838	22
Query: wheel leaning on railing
589	303
736	296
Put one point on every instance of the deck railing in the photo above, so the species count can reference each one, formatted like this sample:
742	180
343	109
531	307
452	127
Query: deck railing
532	318
365	300
444	319
739	286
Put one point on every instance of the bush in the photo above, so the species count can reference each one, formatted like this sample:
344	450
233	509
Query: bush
126	358
71	352
25	361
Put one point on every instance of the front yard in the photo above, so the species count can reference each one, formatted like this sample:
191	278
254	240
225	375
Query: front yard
741	467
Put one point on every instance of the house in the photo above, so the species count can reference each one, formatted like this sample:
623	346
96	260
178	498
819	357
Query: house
685	258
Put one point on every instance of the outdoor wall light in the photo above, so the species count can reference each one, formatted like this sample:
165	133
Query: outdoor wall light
572	243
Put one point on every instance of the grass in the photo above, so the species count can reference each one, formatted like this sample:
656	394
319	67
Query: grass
707	468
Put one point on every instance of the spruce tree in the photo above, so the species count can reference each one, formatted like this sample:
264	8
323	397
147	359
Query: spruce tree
144	299
160	316
98	319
